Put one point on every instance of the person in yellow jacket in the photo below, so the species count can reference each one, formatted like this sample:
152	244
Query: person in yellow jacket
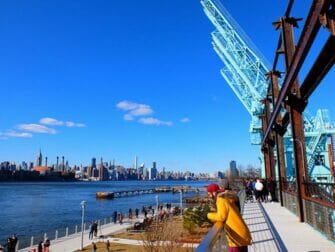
237	232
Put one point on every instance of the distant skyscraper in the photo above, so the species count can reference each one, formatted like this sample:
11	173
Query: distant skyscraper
232	164
63	164
39	159
153	172
94	163
57	164
233	169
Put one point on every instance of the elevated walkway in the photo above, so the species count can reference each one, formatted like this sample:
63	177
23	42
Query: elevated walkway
274	228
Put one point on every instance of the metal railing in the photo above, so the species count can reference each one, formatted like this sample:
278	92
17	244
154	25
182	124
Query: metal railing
289	186
321	191
215	240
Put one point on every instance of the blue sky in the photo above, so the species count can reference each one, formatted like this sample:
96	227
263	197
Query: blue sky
115	79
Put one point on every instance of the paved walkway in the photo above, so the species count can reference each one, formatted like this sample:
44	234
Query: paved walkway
73	242
274	228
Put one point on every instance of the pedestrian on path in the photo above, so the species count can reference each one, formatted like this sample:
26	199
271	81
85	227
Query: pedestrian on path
90	235
9	244
40	247
237	232
46	245
258	190
108	246
14	241
130	214
94	247
114	217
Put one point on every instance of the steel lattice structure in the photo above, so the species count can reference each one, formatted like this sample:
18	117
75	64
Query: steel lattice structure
245	72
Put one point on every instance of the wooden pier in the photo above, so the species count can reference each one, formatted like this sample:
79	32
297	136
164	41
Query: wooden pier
174	189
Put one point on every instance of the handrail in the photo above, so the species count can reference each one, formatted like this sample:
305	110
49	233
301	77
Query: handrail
211	237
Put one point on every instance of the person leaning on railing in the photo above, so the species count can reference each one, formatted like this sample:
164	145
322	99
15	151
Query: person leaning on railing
237	232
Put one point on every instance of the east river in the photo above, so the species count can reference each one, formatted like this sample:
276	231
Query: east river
32	209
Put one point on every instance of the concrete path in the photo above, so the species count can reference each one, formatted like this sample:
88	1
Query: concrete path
73	242
274	228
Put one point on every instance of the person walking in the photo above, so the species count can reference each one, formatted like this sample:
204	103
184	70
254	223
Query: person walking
136	213
14	241
9	244
94	247
114	217
108	246
95	228
130	214
90	234
237	232
40	247
258	190
46	245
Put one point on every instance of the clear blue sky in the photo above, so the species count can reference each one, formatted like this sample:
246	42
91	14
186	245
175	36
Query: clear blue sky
115	79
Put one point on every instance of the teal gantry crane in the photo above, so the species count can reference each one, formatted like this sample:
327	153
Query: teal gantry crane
244	71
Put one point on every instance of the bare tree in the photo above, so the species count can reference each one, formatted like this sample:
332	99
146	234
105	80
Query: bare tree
163	236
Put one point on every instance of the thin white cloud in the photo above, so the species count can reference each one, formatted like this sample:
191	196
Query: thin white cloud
12	133
154	121
135	109
126	105
36	128
128	117
185	120
142	111
73	124
55	122
51	121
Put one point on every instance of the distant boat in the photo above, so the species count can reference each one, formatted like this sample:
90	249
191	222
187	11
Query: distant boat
105	195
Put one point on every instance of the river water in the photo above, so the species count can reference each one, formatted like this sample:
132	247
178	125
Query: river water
32	209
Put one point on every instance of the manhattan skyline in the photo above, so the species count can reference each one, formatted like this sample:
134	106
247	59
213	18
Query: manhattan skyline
118	79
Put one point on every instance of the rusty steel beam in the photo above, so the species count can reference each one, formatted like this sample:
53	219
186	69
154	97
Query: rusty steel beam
307	37
265	149
271	142
274	76
297	122
319	70
287	14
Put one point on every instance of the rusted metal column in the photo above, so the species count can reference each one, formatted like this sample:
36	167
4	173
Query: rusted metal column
331	161
274	75
265	149
297	123
271	143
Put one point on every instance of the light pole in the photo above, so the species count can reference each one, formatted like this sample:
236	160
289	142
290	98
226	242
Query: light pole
83	206
181	201
156	203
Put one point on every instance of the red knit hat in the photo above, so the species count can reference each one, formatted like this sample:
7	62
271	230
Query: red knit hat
214	188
